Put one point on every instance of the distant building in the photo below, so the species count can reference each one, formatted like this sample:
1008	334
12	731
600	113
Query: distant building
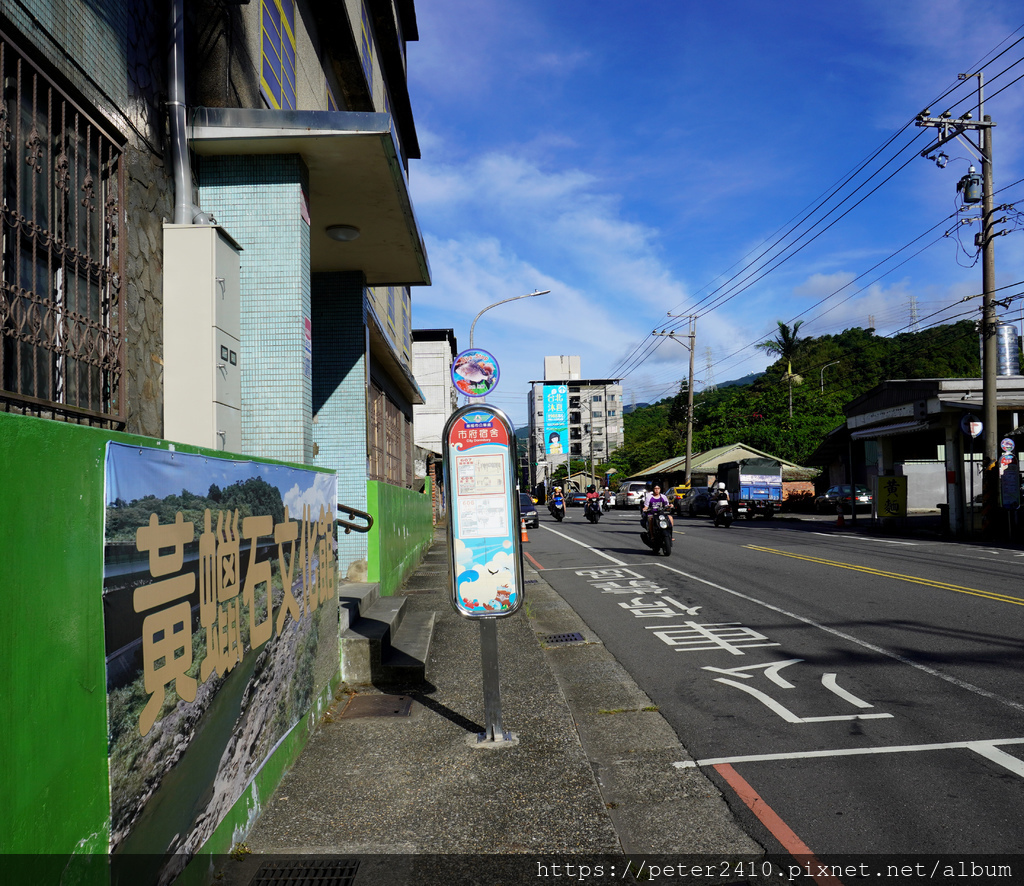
433	351
571	417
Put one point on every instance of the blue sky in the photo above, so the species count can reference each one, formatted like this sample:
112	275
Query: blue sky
637	158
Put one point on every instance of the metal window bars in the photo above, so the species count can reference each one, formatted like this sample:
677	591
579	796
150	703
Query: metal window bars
62	311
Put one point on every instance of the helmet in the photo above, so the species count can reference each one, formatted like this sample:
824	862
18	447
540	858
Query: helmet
591	488
720	485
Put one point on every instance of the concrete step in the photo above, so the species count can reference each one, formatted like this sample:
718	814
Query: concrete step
383	644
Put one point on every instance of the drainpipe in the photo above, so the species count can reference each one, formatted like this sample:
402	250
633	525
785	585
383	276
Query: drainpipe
185	211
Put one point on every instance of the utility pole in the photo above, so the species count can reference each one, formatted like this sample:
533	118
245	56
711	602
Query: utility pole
689	386
956	128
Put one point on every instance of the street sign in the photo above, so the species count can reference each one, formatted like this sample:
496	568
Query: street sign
475	373
971	425
484	541
483	526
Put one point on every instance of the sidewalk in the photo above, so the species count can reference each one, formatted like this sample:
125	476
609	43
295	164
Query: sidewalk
409	795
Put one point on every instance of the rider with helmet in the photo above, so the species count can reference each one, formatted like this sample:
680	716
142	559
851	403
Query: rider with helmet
656	500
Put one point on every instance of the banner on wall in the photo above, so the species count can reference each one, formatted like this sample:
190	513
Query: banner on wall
221	621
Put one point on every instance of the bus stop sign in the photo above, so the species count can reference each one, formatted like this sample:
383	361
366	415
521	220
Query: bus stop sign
483	515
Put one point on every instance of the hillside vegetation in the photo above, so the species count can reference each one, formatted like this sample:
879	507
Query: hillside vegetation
758	413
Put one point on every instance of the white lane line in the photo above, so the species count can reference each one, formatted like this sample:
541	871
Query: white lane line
989	751
881	541
986	749
588	547
960	684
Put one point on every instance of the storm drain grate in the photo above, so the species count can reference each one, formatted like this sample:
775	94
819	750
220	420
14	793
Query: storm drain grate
320	872
554	639
378	706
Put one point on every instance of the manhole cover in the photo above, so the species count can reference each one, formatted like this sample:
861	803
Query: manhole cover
317	872
378	706
554	639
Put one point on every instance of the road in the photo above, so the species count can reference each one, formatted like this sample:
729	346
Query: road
849	694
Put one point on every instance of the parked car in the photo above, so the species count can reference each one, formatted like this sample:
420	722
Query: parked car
694	502
528	510
577	499
630	494
837	496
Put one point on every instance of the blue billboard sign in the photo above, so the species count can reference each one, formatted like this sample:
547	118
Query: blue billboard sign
556	419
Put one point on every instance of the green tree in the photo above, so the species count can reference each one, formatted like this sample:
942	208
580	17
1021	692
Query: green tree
784	346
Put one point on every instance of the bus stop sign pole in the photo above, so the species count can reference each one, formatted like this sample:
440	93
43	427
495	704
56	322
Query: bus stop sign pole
484	541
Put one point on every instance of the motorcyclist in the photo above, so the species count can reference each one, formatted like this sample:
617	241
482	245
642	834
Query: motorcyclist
654	501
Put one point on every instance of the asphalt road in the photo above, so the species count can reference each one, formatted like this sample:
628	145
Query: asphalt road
848	694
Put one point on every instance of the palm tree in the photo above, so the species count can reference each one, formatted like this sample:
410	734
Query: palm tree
784	347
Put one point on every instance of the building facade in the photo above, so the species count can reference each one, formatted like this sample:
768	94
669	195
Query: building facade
284	129
571	417
208	254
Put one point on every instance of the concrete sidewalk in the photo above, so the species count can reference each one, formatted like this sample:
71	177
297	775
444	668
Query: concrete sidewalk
408	795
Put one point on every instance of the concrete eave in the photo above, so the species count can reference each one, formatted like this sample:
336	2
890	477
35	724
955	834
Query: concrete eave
356	177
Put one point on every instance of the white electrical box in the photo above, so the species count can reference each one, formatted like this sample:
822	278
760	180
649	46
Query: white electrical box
202	329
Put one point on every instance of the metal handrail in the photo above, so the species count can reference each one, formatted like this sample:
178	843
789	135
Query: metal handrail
353	513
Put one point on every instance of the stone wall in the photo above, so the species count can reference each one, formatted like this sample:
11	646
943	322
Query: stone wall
149	196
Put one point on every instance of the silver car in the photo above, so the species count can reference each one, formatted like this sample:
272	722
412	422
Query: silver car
631	494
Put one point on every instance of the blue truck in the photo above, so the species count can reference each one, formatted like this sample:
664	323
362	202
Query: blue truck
754	486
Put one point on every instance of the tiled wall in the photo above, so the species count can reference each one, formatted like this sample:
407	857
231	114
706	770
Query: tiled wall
258	199
339	394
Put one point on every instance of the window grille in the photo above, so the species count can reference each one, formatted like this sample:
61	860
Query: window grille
61	254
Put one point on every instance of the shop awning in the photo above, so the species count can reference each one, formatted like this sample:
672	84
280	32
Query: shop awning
890	430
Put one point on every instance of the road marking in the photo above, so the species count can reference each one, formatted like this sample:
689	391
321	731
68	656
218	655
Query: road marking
960	684
534	562
945	586
771	820
881	541
987	749
588	547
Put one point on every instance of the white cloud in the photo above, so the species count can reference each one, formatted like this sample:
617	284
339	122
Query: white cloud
322	493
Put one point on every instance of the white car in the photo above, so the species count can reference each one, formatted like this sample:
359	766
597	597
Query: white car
631	494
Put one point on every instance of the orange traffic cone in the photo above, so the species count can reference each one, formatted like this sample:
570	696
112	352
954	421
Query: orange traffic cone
840	520
522	530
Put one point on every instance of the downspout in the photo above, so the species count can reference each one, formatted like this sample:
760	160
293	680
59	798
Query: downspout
185	211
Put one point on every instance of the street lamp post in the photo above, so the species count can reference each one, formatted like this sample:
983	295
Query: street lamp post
503	301
823	368
488	626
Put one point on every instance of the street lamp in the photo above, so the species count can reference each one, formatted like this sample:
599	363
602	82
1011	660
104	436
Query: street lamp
503	301
823	368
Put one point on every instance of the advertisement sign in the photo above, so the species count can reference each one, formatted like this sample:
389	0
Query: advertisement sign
891	496
220	612
483	526
475	373
556	419
1009	476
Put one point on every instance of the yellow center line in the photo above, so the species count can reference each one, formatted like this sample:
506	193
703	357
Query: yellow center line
990	595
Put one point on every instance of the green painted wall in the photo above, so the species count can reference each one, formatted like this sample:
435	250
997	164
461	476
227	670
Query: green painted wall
53	720
53	731
402	531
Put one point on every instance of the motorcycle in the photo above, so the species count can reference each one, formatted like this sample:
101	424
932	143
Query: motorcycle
658	536
606	504
557	507
723	515
592	510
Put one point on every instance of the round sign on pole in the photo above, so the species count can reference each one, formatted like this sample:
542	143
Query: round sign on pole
475	373
971	425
